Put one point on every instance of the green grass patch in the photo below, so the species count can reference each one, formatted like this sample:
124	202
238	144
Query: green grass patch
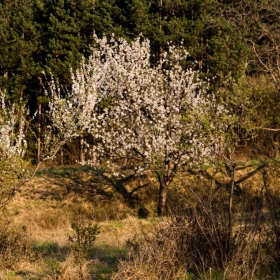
51	250
108	257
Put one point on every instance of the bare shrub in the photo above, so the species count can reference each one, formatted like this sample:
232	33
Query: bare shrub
199	244
272	245
156	256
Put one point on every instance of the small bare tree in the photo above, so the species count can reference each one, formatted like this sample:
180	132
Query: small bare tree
259	21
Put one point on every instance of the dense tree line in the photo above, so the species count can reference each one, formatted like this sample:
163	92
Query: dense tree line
49	35
39	36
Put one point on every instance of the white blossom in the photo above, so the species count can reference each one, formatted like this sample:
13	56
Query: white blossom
12	130
118	97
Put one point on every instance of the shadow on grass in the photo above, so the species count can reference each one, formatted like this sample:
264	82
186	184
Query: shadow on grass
91	185
103	260
107	258
100	179
80	180
51	250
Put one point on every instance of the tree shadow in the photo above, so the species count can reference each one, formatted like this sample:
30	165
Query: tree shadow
92	183
103	259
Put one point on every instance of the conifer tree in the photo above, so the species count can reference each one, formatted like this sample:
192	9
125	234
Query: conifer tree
18	42
66	30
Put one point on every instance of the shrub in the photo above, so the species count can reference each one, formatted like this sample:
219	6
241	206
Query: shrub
83	239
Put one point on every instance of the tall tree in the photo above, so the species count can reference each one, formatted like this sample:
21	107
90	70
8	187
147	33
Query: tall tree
41	36
66	30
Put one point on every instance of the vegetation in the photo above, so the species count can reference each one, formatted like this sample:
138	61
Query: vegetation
171	110
43	244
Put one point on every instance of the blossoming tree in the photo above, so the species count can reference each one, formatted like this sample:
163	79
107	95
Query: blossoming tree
150	117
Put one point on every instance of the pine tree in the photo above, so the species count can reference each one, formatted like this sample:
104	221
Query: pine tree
66	29
18	41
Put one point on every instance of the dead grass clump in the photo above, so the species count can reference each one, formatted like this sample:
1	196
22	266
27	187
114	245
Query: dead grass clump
70	270
15	245
101	210
51	218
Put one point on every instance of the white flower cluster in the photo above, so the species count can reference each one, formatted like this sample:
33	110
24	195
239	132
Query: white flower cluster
12	130
149	113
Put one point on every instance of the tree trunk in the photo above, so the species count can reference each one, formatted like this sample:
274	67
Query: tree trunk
39	132
82	151
232	185
163	187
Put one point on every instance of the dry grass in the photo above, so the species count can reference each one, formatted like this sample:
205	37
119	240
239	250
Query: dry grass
47	207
